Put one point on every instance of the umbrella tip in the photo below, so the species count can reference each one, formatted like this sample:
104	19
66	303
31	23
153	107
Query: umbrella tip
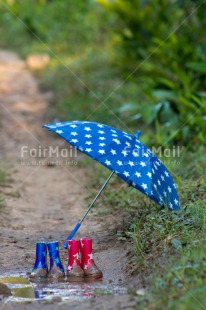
138	133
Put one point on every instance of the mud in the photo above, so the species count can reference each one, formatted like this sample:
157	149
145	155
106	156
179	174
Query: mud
43	202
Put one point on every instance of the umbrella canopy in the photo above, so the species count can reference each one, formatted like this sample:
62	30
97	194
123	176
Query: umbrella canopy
124	154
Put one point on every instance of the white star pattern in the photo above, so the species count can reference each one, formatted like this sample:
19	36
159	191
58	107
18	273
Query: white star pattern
122	152
135	154
128	144
144	185
126	173
76	256
119	162
90	256
74	140
128	137
101	152
138	174
176	202
116	141
113	152
108	162
162	177
137	146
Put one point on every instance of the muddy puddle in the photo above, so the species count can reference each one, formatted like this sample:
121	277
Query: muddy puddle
43	289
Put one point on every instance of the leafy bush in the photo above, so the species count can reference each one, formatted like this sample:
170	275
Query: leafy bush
63	26
162	43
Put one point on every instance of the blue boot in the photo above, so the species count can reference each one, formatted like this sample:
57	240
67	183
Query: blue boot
56	269
40	269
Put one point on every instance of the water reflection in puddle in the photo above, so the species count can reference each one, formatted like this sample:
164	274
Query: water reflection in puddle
22	289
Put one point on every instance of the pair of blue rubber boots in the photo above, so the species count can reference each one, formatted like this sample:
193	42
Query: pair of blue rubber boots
41	269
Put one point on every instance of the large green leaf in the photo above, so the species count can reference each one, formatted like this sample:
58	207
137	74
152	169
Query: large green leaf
197	66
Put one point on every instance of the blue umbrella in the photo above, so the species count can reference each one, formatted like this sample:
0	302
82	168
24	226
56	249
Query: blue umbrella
125	155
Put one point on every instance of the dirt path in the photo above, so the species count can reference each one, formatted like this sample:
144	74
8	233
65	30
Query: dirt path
43	202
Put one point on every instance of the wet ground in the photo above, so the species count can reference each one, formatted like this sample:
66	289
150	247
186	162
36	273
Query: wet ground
43	202
23	289
99	294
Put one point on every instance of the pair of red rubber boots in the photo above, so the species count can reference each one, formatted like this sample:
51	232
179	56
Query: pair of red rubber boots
81	263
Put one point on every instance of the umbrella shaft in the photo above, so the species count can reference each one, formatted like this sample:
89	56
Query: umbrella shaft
93	202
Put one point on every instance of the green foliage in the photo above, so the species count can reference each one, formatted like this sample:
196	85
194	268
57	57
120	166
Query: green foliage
169	246
158	43
166	93
81	72
63	26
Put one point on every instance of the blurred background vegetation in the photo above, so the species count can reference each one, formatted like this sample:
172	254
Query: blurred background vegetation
135	64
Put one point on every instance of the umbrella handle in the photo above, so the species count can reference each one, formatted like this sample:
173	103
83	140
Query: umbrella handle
72	234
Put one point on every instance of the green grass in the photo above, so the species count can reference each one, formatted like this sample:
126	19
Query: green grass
181	284
168	246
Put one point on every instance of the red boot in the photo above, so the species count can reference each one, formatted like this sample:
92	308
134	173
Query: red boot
74	268
88	264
